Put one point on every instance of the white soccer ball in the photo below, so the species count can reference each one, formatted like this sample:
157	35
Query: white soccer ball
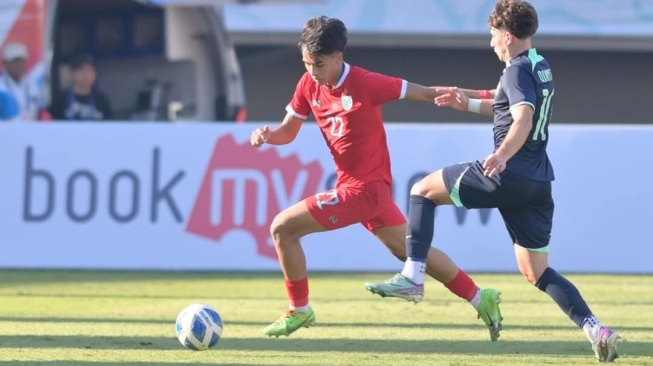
199	327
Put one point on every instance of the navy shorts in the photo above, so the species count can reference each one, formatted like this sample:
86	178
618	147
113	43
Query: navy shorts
526	205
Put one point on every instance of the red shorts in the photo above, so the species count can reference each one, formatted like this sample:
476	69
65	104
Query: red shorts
371	205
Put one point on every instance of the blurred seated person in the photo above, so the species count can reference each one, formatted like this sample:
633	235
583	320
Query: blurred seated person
83	100
9	109
26	90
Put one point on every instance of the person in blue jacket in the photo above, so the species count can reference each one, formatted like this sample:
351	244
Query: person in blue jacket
8	107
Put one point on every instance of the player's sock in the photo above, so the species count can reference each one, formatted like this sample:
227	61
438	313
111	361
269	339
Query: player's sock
414	269
301	309
592	328
421	215
298	294
565	294
463	286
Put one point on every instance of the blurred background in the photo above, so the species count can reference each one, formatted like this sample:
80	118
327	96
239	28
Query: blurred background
229	60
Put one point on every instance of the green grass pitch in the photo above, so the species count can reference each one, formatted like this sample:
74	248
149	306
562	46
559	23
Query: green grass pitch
95	318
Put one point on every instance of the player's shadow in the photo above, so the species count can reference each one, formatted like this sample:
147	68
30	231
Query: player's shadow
467	347
378	346
278	297
439	325
434	325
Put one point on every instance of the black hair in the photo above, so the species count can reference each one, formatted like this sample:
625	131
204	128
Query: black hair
80	61
324	36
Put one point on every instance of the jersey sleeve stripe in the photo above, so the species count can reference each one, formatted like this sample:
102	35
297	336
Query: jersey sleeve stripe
522	103
292	111
404	89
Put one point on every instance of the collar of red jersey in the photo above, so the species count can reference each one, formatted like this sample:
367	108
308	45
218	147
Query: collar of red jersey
344	76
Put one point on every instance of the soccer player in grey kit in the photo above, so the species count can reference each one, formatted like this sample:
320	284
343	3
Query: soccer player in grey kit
515	178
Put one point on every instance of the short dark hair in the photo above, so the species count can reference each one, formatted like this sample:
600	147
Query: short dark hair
324	36
516	16
79	61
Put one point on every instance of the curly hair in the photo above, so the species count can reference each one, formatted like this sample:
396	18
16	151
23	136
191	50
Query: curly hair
516	16
324	36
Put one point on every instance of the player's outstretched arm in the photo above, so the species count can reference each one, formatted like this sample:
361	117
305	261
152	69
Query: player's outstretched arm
454	98
283	134
428	93
421	93
476	94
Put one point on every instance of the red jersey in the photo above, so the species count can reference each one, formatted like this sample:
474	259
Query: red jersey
351	120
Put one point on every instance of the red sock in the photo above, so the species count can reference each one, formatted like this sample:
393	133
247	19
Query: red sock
463	286
297	292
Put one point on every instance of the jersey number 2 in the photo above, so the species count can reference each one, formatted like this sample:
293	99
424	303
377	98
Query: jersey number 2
543	120
337	126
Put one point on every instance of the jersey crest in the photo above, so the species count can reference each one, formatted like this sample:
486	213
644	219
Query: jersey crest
347	101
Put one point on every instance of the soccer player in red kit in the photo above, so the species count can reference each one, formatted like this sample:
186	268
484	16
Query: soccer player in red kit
346	102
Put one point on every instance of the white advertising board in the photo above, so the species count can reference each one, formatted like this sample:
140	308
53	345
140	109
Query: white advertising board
197	196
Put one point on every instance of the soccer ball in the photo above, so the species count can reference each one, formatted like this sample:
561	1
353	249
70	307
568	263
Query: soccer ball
199	327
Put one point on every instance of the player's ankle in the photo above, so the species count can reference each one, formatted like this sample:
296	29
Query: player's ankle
476	300
301	309
414	270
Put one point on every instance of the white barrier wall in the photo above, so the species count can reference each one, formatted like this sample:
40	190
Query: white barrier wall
438	17
182	196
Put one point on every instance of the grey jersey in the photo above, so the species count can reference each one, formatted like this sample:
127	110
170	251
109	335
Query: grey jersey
527	79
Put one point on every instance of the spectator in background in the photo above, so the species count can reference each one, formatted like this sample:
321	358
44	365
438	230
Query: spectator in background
15	81
9	110
83	100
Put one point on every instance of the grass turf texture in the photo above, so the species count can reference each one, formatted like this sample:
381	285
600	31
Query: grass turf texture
93	318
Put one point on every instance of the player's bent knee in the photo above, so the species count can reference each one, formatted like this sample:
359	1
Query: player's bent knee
532	262
282	230
531	274
530	277
431	187
420	188
424	190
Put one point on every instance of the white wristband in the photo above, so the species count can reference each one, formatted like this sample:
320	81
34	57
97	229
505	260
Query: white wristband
474	106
